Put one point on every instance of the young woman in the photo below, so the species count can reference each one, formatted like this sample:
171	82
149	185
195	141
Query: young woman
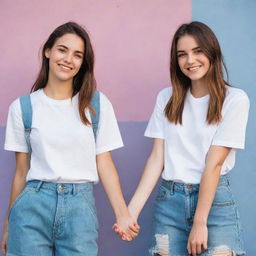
197	126
52	210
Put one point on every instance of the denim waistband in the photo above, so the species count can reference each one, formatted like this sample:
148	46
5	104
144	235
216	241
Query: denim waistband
60	187
189	188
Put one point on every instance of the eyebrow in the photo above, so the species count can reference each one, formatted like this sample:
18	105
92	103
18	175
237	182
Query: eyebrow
196	48
61	45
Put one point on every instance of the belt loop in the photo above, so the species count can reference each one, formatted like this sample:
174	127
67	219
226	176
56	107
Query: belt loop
74	189
172	187
39	185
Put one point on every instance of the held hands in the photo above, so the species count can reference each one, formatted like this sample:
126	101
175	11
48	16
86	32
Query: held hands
197	241
126	227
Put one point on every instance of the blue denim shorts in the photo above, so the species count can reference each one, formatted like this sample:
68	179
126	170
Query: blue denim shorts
53	219
173	219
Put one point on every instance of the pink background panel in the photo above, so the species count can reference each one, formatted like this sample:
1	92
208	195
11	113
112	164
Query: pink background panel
131	39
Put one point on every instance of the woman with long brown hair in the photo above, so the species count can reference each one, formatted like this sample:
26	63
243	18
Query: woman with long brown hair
62	134
197	126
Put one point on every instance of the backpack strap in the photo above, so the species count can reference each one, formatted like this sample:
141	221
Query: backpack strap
26	111
95	104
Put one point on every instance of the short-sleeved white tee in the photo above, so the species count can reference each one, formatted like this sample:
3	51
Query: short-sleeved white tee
187	145
63	148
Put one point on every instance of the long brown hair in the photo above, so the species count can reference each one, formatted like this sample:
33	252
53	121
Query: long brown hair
84	81
215	82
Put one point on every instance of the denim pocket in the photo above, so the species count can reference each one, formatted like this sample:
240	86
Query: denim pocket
163	193
18	199
223	196
89	198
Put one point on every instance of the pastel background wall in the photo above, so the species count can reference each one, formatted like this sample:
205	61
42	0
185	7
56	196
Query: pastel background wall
131	41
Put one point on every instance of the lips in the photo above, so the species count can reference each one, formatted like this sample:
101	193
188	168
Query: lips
193	68
65	67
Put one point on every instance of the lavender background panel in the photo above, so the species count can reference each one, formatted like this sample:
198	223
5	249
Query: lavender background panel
130	163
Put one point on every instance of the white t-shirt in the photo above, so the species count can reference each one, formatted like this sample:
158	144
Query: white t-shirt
187	145
63	148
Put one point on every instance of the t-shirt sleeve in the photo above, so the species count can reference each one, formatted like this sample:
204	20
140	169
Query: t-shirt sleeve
108	134
231	130
155	128
15	133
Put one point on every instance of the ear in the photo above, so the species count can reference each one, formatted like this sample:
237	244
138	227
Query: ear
47	53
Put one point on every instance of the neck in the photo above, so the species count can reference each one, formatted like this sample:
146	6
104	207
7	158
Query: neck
59	90
199	88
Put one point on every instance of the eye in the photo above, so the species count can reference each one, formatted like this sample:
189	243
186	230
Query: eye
61	49
198	51
181	55
78	56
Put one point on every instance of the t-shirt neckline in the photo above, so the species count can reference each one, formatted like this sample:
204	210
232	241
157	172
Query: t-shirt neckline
54	101
200	99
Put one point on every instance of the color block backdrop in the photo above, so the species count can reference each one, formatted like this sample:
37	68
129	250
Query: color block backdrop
131	40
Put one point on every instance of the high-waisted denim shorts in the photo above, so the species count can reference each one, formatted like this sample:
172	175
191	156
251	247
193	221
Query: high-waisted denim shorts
53	219
173	219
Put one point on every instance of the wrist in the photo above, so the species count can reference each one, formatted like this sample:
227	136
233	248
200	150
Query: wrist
133	213
200	222
122	213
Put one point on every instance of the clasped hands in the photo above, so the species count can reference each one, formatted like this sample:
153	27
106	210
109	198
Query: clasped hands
126	228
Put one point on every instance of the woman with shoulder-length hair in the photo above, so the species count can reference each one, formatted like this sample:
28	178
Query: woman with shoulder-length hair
197	126
68	129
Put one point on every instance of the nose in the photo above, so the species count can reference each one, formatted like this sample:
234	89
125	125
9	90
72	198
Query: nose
190	58
68	57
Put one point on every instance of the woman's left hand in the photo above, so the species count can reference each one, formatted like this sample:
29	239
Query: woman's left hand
197	241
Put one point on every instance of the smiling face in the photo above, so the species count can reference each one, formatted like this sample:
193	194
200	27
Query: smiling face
192	61
65	57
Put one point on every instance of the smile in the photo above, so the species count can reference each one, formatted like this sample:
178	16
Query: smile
193	68
65	67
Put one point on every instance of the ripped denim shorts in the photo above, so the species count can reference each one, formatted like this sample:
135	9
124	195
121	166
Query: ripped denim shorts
173	219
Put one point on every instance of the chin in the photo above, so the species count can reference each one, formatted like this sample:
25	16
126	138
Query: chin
65	77
196	77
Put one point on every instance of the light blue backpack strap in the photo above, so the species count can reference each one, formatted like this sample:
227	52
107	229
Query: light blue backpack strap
95	104
26	111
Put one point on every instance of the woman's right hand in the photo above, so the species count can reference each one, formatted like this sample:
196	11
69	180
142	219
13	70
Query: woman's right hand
4	239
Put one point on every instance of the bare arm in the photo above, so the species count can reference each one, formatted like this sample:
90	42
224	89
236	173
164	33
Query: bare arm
208	185
19	180
150	176
111	183
18	184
